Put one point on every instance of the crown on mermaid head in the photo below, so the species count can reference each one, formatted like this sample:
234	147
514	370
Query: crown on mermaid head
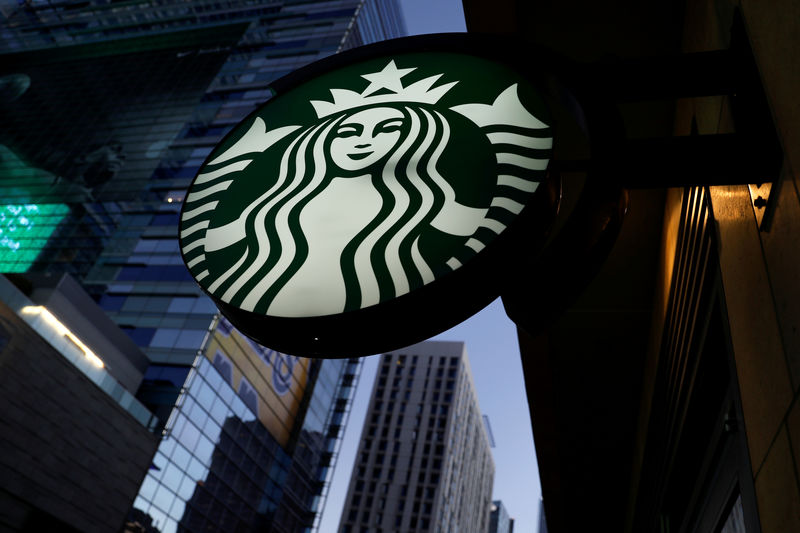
386	79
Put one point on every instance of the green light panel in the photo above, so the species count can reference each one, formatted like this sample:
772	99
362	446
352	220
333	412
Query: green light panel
24	232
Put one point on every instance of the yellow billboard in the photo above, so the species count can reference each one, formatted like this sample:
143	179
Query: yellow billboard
270	383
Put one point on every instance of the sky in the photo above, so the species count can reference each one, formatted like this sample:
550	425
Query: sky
491	343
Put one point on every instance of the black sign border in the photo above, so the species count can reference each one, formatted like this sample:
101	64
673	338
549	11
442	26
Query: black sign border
449	300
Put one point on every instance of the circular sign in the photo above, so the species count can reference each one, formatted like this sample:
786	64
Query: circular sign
364	195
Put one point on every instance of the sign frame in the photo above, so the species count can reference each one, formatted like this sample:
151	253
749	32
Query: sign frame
445	301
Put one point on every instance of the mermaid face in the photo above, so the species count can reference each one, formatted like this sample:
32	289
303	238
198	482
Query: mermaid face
366	137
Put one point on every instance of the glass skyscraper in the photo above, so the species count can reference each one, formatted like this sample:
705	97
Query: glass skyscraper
109	109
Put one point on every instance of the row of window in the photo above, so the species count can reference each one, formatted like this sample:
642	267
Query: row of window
212	453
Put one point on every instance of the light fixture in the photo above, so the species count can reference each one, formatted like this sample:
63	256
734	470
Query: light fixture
64	331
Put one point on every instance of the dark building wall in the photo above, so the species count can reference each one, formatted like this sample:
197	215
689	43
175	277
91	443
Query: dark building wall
670	387
68	454
759	265
65	298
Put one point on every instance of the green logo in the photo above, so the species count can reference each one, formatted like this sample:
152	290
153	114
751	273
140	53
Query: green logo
364	184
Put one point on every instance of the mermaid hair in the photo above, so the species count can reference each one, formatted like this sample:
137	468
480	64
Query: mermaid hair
383	260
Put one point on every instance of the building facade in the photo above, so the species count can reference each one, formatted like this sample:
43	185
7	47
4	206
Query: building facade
664	393
499	521
75	442
109	110
424	462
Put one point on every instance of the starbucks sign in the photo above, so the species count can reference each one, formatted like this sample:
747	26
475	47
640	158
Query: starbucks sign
355	201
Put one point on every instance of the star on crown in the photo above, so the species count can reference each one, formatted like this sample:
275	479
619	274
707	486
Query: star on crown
387	79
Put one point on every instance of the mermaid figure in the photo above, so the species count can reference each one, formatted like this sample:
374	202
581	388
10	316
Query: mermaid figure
340	227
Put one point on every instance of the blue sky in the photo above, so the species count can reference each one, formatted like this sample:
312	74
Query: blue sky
493	350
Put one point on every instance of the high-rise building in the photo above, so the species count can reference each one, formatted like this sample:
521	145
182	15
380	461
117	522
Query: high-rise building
424	462
109	109
542	519
499	521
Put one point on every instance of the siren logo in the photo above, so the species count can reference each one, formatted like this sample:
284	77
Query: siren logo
364	184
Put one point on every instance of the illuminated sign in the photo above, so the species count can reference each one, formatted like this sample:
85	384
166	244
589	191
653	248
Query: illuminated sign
355	211
270	383
24	232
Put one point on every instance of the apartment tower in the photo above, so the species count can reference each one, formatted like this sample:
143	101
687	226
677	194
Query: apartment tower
424	462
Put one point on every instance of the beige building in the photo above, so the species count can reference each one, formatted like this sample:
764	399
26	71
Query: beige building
424	462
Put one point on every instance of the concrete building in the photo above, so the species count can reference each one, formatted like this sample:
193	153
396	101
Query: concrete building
75	442
664	392
424	462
